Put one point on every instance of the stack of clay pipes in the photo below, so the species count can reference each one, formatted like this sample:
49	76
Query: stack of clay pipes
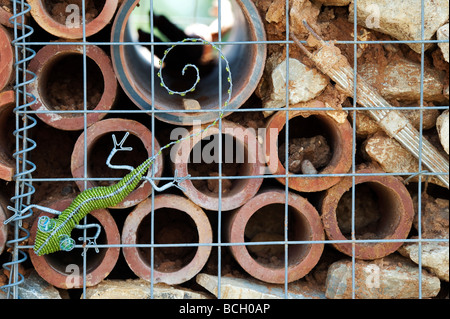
119	78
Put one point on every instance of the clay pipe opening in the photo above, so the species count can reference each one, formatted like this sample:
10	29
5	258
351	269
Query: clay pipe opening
7	142
59	85
6	58
315	137
133	68
262	219
64	19
176	221
99	146
199	157
65	269
383	210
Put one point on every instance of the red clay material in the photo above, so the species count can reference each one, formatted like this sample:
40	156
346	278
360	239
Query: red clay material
6	12
7	163
6	58
99	137
49	18
3	228
65	269
59	85
395	209
170	228
235	192
304	224
340	140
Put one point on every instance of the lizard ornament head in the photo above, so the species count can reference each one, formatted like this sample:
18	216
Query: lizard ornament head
51	238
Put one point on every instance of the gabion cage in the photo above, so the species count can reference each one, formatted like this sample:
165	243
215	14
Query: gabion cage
308	148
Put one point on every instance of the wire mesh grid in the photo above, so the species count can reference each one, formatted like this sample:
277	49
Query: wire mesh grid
24	45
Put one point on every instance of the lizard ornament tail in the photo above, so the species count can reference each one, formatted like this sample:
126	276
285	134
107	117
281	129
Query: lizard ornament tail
53	234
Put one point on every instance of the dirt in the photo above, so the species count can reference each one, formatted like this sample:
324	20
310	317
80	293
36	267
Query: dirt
171	227
58	9
52	159
434	216
367	213
203	169
67	92
315	149
212	170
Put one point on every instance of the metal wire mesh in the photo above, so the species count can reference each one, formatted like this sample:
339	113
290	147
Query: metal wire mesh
25	44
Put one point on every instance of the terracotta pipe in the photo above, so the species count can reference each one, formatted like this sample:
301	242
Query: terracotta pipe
6	12
247	62
59	85
6	58
99	146
7	163
304	223
246	151
176	221
65	269
395	213
3	228
62	21
339	137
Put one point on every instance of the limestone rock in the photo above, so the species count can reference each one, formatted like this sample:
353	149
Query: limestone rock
34	287
400	80
366	126
392	277
442	34
303	10
434	216
276	11
392	157
435	225
304	84
442	126
240	288
402	19
139	289
434	256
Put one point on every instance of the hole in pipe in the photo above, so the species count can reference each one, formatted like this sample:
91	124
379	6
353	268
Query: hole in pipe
60	10
61	259
204	162
310	138
171	227
267	224
137	59
100	150
62	84
376	212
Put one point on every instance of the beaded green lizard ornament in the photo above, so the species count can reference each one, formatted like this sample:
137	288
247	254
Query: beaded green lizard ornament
53	234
